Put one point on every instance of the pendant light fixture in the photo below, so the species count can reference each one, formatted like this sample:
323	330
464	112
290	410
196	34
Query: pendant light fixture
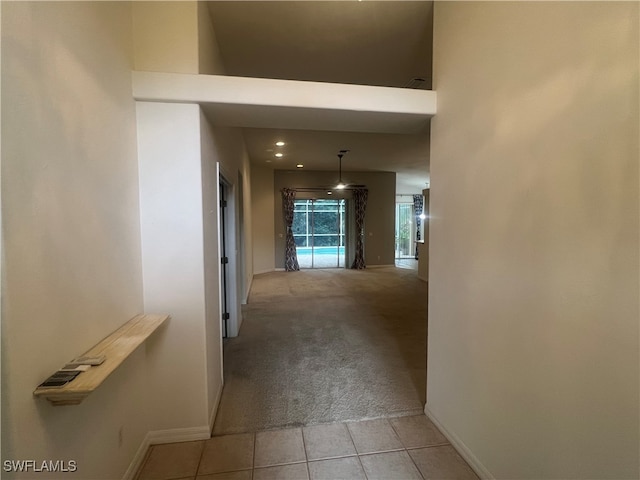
340	185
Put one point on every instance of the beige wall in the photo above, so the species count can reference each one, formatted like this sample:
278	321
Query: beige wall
379	218
423	259
175	37
73	266
165	36
262	207
225	145
209	58
533	298
71	262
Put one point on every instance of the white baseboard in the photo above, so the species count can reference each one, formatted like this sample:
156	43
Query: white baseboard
279	270
462	449
269	270
245	300
158	437
175	435
214	410
138	458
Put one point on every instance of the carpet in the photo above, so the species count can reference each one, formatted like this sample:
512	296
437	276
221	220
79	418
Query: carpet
321	346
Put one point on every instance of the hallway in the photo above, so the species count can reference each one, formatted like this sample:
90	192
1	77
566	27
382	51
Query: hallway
326	381
321	346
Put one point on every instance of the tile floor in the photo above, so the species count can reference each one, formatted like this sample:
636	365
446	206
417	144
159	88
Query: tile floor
388	448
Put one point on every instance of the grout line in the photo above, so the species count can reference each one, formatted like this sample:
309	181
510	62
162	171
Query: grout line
396	433
200	461
353	442
253	461
381	451
414	463
362	467
335	457
429	446
304	447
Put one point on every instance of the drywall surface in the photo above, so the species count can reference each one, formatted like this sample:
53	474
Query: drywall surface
379	241
209	58
225	147
423	259
269	103
212	254
71	265
228	149
533	282
171	218
262	207
166	36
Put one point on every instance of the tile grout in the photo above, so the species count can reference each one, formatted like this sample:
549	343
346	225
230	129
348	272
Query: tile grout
353	442
358	455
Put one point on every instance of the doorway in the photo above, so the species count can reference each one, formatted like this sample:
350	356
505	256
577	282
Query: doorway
405	230
319	227
224	261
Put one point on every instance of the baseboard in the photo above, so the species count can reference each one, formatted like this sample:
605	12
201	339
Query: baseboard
175	435
278	270
423	279
462	449
214	410
381	266
138	458
158	437
245	300
269	270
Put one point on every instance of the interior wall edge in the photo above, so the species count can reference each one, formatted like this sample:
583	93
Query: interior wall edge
464	451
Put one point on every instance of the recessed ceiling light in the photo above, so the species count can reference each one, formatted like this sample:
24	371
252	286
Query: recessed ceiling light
268	161
279	154
329	192
280	144
299	165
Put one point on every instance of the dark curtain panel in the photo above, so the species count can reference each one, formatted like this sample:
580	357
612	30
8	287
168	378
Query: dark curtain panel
290	255
360	198
418	205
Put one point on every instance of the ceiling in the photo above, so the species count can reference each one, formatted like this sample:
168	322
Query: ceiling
383	43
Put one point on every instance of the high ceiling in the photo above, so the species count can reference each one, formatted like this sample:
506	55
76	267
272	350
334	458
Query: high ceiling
368	43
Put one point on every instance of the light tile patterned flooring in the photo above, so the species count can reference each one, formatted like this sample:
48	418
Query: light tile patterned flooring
388	448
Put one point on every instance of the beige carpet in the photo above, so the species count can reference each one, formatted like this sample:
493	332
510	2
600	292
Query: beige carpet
319	346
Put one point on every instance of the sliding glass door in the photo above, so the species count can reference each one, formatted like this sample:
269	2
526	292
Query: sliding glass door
405	230
319	232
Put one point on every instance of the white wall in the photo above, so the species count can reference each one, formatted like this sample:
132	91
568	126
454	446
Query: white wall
212	254
533	295
171	216
71	265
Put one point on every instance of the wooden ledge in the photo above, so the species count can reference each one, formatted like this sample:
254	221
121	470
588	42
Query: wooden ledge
116	348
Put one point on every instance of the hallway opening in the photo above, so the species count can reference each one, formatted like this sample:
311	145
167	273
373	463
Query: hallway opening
326	345
319	230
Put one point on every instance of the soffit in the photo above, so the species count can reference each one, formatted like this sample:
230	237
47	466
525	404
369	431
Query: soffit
384	43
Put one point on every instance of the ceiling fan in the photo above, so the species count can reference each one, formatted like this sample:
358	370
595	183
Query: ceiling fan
341	185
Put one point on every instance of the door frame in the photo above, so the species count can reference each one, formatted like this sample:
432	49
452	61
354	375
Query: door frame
232	253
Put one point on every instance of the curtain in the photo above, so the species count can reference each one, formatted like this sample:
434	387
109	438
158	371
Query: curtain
418	205
360	199
290	255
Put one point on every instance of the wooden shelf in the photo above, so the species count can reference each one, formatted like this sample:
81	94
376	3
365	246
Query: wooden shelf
116	348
